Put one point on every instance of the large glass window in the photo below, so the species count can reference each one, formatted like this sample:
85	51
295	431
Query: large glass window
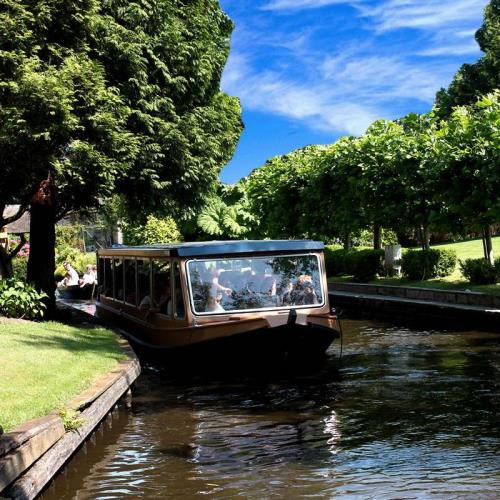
255	283
106	277
162	287
130	283
144	283
118	278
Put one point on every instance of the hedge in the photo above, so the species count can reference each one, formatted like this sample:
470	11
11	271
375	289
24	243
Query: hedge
426	264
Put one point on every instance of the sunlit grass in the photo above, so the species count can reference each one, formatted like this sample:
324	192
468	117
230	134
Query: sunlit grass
44	365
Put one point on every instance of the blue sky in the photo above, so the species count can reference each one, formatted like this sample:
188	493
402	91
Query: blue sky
310	71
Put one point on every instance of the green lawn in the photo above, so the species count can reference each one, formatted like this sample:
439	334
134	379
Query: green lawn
472	249
44	365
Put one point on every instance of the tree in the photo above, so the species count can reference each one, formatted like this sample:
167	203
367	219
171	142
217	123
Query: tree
278	193
467	156
154	231
226	215
482	77
103	96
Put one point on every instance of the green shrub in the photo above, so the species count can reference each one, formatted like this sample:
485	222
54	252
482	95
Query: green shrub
19	299
480	271
20	267
364	264
426	264
335	260
155	230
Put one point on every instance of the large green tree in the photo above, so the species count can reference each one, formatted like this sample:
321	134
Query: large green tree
278	193
467	159
102	96
481	77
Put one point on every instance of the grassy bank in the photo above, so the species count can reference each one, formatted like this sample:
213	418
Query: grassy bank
44	365
472	249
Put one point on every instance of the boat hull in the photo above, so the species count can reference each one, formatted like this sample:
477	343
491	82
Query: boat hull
267	346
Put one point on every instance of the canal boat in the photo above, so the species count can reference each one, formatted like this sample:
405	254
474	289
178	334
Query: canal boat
253	298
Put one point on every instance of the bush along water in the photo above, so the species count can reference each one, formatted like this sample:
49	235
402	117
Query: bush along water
362	264
19	299
425	264
480	271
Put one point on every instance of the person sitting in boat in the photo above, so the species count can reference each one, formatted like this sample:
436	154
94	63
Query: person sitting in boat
214	302
89	277
215	274
160	300
71	277
303	292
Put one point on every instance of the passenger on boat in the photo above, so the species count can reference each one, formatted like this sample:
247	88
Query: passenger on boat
215	275
70	278
303	292
89	277
159	302
214	302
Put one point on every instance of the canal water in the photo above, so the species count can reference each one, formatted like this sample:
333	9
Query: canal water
408	414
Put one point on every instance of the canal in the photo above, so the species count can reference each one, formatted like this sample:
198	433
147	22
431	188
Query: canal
408	414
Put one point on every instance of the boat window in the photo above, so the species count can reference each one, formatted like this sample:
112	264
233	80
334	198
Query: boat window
180	311
143	283
107	282
130	283
162	287
255	283
118	278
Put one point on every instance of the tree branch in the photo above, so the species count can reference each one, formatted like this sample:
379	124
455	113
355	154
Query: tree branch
8	220
18	248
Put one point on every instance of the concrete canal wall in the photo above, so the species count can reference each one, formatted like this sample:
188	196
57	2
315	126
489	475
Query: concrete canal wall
426	306
32	454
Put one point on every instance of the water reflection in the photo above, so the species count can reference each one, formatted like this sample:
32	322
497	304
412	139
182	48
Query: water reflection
409	414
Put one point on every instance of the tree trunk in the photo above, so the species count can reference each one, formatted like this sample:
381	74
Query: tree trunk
377	237
488	245
426	235
6	271
41	263
347	241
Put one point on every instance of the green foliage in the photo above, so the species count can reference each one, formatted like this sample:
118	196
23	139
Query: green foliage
70	235
426	264
482	77
20	268
227	215
335	260
278	194
365	264
106	96
466	155
155	230
71	420
480	271
19	299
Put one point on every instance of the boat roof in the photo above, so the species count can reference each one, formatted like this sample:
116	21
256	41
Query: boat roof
206	248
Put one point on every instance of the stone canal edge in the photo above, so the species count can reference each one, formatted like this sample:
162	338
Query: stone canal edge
32	454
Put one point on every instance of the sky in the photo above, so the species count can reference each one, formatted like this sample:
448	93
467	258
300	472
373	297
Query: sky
311	71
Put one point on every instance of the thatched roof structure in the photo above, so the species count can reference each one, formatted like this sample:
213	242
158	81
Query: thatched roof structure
19	226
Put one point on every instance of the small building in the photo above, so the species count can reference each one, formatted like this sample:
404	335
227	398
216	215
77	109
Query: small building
20	226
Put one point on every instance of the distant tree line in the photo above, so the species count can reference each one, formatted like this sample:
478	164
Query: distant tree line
422	173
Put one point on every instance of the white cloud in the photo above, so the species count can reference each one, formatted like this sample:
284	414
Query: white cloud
451	50
300	4
422	14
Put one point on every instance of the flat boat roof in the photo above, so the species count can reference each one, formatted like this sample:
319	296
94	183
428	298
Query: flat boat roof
206	248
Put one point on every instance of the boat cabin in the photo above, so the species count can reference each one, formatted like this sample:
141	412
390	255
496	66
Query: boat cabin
176	295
